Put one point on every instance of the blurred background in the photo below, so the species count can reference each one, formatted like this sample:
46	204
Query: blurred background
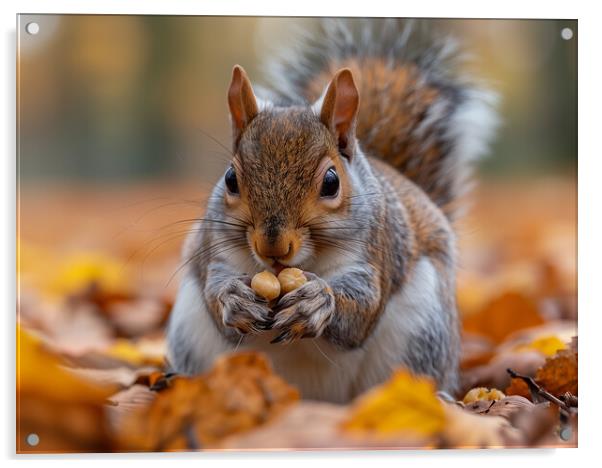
122	98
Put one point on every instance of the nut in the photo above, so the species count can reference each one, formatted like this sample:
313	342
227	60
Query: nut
291	279
266	285
482	393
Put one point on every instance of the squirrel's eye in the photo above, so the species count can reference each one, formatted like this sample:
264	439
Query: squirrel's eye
330	184
231	181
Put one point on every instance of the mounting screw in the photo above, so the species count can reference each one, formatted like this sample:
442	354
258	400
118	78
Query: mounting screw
33	439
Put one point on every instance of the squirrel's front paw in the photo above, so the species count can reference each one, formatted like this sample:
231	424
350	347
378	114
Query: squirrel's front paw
243	309
304	312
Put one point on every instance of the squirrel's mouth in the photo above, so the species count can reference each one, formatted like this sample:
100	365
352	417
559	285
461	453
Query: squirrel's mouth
278	267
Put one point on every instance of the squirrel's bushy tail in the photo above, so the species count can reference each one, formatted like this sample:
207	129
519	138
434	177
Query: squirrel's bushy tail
417	111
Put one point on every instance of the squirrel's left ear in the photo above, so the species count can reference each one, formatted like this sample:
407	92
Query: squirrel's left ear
242	102
338	109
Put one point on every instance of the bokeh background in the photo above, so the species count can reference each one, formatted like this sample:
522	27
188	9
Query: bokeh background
120	98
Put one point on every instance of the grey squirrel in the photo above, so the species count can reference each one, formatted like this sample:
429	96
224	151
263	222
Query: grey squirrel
350	167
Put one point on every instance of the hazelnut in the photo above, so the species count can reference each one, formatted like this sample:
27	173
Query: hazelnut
266	285
482	393
291	279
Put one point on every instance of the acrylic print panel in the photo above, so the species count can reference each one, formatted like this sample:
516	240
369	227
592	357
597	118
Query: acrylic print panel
295	233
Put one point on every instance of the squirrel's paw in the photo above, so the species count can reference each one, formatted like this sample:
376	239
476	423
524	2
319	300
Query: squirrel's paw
304	312
243	309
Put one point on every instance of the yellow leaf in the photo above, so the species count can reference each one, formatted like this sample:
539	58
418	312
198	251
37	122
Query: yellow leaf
143	352
405	404
546	345
81	270
40	372
65	411
58	274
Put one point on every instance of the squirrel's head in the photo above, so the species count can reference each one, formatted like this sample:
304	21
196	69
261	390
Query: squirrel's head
289	175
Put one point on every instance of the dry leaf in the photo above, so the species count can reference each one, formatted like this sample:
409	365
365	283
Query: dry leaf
78	271
238	394
308	425
404	405
504	407
66	412
559	373
546	345
144	352
494	374
518	387
467	430
504	315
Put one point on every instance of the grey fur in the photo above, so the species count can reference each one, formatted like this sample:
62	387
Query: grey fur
367	326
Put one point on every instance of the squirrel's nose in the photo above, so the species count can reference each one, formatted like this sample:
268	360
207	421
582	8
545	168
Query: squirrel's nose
278	248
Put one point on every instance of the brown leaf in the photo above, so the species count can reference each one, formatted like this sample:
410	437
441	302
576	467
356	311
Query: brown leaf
238	394
559	373
494	373
505	314
518	387
504	407
465	429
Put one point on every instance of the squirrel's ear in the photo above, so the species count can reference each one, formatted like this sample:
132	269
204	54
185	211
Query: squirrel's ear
338	110
242	102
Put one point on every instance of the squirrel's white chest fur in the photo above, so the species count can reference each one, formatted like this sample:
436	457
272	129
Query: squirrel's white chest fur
316	367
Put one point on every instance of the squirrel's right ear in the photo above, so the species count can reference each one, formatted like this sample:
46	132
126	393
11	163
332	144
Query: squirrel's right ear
338	109
242	102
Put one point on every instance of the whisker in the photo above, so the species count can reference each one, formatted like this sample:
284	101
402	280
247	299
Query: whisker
197	256
215	140
239	342
154	249
344	250
324	354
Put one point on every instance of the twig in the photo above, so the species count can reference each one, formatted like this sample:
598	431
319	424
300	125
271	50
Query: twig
537	391
564	409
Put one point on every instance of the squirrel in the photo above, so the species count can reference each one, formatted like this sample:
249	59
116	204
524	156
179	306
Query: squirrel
350	166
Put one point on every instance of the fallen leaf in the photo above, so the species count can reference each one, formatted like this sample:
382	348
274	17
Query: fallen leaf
559	373
546	345
144	352
405	404
79	271
494	374
137	316
66	412
240	392
518	387
504	407
503	315
468	430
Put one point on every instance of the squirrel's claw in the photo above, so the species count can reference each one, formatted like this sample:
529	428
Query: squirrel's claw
305	312
280	338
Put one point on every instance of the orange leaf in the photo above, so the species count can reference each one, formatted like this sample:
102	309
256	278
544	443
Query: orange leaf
518	387
504	315
238	394
559	373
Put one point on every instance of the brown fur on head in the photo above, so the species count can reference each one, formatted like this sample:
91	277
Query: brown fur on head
281	158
